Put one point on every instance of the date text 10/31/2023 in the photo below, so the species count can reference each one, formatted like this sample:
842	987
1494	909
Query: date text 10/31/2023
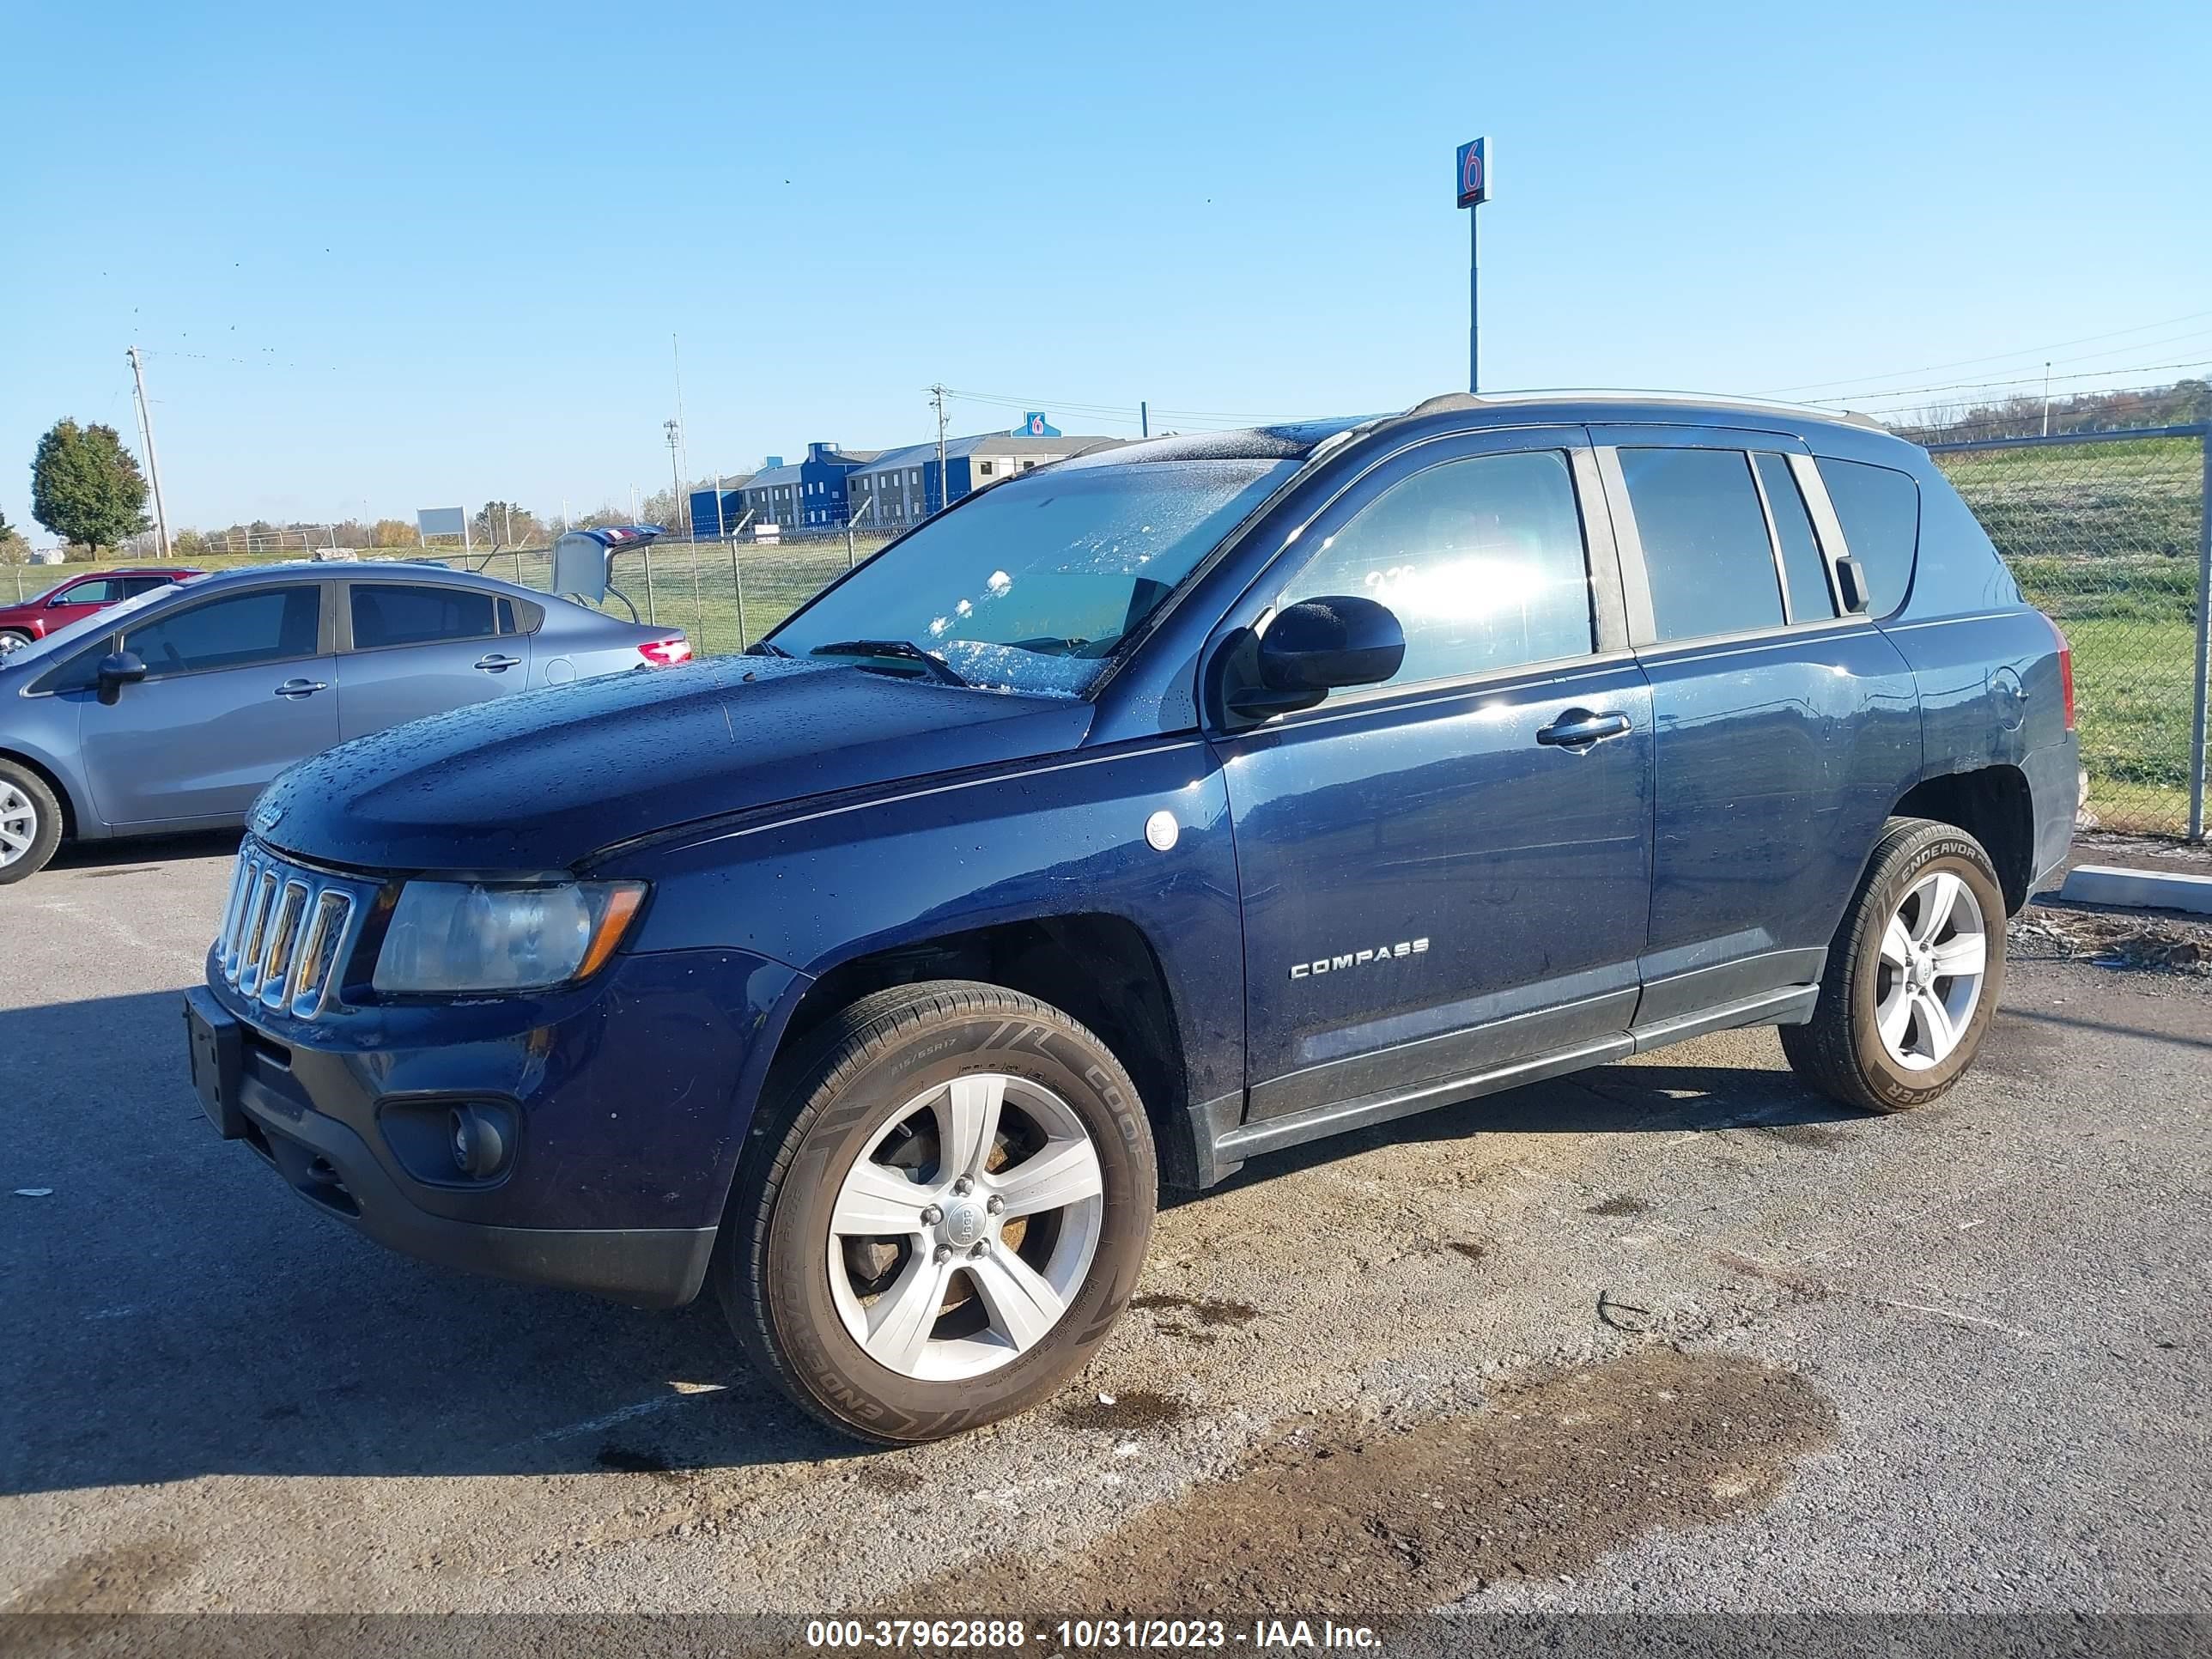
1086	1635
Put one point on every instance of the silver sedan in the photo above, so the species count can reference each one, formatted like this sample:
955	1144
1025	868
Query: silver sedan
171	712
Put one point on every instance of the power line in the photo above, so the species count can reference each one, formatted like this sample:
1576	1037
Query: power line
1994	357
1855	398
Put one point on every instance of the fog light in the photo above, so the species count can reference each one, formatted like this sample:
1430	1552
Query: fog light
477	1141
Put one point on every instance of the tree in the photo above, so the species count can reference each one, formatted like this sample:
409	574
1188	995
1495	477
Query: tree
393	532
502	524
13	549
86	487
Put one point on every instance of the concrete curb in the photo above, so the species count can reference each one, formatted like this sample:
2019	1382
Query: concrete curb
2165	889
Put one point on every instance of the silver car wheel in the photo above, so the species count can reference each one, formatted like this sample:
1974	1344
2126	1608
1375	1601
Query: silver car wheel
1934	957
12	640
965	1227
19	823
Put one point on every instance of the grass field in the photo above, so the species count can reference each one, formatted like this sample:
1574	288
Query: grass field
2103	537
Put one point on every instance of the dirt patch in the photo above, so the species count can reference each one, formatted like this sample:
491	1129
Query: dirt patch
2112	939
1621	1204
1337	1516
1209	1311
889	1479
1127	1410
1799	1286
119	1580
1813	1137
1471	1248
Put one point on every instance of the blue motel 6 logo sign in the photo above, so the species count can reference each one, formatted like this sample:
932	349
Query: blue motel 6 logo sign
1474	172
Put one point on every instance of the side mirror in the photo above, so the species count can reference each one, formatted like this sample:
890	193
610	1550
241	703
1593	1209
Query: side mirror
118	670
1851	586
1318	646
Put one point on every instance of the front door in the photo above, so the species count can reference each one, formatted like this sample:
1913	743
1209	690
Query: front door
237	688
1450	871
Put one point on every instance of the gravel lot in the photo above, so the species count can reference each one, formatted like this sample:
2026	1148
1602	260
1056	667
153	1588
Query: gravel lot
1672	1335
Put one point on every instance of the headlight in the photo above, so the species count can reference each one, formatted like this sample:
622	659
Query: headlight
448	937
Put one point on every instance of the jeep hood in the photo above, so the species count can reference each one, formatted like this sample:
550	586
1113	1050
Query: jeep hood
539	780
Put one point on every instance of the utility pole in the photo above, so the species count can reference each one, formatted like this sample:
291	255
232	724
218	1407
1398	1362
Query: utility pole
153	466
676	476
2046	400
943	499
683	446
1144	420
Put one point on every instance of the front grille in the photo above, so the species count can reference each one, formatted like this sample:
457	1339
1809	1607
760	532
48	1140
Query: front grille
287	932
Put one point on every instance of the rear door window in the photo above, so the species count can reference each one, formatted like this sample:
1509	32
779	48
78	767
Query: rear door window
389	613
270	624
1705	548
1879	508
1481	561
1802	566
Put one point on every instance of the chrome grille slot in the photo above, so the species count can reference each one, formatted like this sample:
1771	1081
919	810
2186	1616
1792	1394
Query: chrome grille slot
287	932
283	934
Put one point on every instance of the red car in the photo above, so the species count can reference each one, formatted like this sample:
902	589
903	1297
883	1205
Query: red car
80	596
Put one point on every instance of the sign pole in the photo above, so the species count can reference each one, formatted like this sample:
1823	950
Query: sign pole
1473	185
1473	302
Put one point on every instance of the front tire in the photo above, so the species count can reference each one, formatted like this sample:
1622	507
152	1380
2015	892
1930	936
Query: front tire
942	1211
30	822
13	639
1912	976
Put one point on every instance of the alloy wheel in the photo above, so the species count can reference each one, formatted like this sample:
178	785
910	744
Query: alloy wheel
1935	958
965	1227
19	823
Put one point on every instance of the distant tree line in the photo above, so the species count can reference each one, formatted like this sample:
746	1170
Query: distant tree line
2182	404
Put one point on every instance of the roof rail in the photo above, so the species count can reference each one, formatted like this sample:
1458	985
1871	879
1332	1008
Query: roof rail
1458	400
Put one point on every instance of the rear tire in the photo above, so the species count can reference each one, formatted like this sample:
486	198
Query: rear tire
30	822
13	639
1912	976
942	1210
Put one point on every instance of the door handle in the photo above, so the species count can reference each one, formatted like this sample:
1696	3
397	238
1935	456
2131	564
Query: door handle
1578	728
296	690
495	664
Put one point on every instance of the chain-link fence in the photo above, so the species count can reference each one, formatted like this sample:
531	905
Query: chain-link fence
2107	532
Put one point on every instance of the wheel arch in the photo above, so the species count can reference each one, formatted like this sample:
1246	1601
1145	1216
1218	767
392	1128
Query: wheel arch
1098	966
1993	804
51	776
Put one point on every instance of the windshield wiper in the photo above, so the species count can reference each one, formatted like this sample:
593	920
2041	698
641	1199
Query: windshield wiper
900	650
764	648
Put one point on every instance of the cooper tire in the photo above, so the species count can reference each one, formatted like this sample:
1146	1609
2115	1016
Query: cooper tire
30	815
1877	964
882	1073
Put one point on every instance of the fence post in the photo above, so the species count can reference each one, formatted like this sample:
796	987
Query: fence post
698	608
738	584
849	544
2197	732
651	615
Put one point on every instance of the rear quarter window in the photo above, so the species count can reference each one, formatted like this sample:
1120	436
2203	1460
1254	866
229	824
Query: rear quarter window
1879	508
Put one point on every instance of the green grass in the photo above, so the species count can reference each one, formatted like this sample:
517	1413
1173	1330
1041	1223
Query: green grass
2104	537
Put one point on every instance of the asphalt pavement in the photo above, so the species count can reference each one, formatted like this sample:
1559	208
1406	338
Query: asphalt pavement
1675	1335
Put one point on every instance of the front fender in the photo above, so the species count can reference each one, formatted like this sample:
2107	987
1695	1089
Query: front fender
826	885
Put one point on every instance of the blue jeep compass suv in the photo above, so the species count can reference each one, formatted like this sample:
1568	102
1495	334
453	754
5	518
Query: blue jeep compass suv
1135	815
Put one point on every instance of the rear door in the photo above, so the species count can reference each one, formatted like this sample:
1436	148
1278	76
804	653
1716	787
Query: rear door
1783	731
237	688
1449	872
408	650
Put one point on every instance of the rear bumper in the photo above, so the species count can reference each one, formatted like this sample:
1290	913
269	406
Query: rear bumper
2054	781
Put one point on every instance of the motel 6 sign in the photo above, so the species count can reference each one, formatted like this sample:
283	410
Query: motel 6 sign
1474	172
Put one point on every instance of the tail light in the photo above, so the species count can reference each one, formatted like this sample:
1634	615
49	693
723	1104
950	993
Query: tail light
2065	671
666	653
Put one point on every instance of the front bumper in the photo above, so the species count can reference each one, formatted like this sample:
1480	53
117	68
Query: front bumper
627	1102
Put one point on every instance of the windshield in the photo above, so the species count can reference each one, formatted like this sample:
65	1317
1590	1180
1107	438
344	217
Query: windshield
84	628
1031	586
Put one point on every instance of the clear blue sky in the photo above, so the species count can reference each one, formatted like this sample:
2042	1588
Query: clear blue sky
393	256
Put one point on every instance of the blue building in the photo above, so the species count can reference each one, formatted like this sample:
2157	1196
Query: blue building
809	495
